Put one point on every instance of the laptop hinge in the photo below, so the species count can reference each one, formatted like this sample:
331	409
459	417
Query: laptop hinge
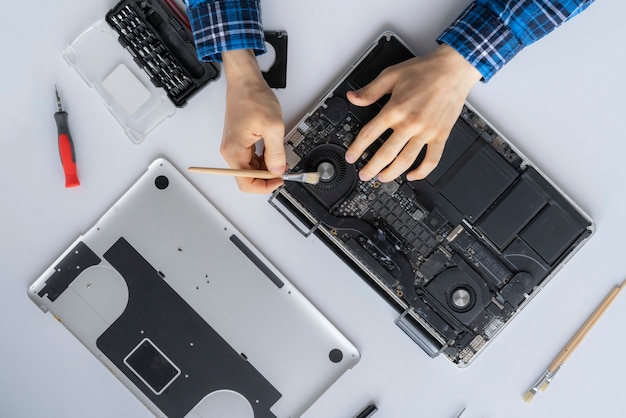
419	335
291	218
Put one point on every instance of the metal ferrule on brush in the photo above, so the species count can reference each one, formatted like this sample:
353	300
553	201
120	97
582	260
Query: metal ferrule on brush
300	177
544	380
550	375
540	382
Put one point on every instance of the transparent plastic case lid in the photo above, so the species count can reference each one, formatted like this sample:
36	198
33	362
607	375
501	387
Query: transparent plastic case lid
137	104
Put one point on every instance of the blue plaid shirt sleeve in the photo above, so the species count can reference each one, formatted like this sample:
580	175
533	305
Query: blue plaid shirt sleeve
224	25
489	33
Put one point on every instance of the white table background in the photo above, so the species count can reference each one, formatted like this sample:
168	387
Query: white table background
561	101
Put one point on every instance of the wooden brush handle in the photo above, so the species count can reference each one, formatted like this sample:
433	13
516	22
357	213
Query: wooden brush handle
585	328
257	174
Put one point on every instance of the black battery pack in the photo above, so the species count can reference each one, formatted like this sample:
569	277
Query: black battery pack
162	46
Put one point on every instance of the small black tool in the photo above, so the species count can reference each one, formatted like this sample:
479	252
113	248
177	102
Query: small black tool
368	411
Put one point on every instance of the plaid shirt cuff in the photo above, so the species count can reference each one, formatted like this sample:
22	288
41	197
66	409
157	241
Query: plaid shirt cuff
481	37
489	33
225	25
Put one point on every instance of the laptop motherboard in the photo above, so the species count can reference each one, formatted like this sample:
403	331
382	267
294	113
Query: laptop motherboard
457	254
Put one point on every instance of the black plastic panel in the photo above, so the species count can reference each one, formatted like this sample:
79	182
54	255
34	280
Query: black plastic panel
207	362
387	52
75	262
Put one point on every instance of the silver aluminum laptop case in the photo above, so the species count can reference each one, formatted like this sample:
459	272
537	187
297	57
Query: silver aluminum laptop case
186	313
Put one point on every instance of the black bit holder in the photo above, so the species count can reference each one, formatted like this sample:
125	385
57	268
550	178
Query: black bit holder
162	46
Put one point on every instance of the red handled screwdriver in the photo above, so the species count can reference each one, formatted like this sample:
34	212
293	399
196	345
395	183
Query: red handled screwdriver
66	146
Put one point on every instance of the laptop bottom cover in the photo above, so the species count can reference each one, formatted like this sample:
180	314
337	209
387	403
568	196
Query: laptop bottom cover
187	313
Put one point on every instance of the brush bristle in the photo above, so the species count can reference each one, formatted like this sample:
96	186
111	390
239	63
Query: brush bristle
528	396
312	178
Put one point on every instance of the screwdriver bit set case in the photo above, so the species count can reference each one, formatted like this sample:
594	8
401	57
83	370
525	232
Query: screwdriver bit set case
142	60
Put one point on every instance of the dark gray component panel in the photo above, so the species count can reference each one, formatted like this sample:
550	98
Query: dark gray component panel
461	138
536	212
507	218
185	341
558	227
551	233
478	181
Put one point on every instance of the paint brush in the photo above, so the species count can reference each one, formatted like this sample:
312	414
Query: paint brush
546	378
309	178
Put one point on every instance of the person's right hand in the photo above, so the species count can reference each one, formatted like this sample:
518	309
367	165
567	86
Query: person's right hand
253	113
427	96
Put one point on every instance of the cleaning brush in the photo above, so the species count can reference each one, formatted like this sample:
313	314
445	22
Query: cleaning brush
309	178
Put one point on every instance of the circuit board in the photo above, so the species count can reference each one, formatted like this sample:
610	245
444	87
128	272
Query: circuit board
459	253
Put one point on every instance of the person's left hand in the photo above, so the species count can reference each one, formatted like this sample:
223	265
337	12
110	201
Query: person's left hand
253	114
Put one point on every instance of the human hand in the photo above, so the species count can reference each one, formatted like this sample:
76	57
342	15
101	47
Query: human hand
253	113
427	96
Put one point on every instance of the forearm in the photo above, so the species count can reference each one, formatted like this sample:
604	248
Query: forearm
241	67
489	33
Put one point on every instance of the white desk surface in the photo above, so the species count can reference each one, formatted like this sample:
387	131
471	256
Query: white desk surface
561	101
